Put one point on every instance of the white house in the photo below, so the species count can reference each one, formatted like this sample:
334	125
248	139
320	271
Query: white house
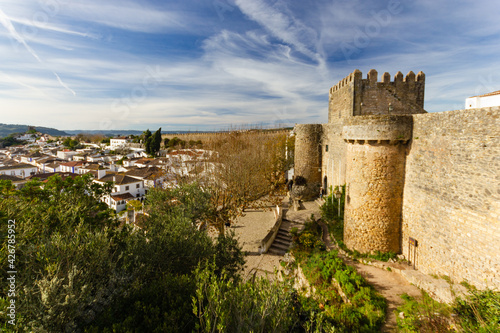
95	158
20	170
483	101
125	188
48	164
72	167
27	137
152	176
52	167
66	154
118	142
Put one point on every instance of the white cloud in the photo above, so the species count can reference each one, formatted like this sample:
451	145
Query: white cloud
283	25
128	15
5	21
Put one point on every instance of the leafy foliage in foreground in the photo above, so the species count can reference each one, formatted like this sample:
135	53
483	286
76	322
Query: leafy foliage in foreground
81	271
478	312
350	303
258	305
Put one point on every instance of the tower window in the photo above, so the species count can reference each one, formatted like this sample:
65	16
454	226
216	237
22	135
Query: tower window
326	148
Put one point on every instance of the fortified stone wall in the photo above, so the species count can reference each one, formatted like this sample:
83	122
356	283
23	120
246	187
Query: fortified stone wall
401	96
451	202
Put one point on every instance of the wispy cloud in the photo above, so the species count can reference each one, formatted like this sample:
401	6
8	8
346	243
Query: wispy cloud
127	15
281	23
5	21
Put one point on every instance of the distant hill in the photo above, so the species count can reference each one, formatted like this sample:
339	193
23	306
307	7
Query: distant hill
6	129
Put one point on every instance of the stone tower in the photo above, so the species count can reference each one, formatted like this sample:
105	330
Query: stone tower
375	167
308	155
364	146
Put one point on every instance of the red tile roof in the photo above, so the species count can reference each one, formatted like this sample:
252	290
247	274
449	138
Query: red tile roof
118	179
124	196
72	164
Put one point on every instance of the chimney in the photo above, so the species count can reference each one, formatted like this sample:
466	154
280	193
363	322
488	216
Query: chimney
114	179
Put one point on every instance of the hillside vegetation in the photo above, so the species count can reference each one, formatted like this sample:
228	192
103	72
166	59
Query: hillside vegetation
7	129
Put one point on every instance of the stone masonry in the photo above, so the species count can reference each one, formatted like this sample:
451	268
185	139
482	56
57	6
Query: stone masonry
433	177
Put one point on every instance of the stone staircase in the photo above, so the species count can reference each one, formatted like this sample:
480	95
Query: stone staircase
320	201
282	241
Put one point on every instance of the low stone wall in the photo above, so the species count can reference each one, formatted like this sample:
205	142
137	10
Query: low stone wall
271	235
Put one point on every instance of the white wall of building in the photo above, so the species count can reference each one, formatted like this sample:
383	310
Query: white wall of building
20	172
482	101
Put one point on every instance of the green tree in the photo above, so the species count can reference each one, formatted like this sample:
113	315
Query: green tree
66	248
147	139
156	142
9	141
71	143
82	270
159	299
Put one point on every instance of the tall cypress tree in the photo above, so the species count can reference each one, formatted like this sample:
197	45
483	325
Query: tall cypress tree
156	142
147	141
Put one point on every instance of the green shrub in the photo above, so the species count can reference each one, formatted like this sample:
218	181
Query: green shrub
479	312
257	305
330	209
426	315
366	310
319	245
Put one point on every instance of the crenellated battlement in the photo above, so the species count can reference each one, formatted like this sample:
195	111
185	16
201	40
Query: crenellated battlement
372	77
356	75
355	96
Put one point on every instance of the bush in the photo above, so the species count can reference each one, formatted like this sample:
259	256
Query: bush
319	245
257	305
364	311
426	315
307	240
479	312
299	181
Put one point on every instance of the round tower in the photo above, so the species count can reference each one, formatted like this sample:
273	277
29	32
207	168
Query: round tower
375	171
308	152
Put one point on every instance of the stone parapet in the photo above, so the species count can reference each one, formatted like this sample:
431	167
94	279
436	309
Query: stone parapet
378	128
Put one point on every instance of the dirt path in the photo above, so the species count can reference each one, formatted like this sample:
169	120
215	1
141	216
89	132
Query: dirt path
389	284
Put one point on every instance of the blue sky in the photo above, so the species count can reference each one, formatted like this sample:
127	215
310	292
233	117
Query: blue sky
215	64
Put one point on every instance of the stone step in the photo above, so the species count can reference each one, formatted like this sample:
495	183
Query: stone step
284	237
319	201
279	246
284	233
276	251
284	242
